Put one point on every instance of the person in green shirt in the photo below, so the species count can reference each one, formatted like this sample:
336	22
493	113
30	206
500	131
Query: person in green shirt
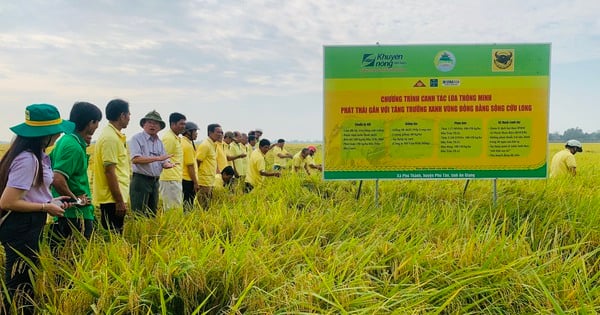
70	165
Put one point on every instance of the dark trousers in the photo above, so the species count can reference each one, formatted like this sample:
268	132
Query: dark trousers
189	194
109	218
20	236
143	194
65	227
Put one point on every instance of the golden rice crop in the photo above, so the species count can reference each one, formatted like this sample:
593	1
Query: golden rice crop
305	246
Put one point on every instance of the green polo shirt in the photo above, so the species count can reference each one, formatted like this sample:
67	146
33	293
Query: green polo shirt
70	159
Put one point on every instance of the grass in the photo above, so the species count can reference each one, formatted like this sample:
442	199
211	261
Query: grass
305	246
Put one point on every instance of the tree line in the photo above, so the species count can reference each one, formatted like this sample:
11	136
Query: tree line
574	133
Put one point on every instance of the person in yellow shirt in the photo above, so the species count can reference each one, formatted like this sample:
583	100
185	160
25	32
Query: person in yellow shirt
112	168
225	179
237	155
281	155
189	181
247	148
170	188
230	153
206	157
222	146
563	162
299	161
250	144
310	161
256	168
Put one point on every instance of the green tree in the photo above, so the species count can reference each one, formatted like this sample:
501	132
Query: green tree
574	133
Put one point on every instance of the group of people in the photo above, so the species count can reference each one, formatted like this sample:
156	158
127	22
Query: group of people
132	174
127	175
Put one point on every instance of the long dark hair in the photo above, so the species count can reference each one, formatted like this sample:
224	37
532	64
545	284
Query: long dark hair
34	145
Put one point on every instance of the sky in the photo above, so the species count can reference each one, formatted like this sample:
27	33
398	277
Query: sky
259	63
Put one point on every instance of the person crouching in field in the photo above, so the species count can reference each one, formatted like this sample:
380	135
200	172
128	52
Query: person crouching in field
25	178
299	161
257	165
224	180
70	165
563	162
148	159
310	161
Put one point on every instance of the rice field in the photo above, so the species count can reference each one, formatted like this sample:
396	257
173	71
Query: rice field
305	246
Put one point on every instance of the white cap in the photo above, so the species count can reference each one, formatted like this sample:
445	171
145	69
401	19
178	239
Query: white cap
575	144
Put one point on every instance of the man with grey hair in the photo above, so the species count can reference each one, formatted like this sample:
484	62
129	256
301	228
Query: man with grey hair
148	159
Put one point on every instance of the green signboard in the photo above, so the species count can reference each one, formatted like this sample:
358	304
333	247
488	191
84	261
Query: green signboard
436	111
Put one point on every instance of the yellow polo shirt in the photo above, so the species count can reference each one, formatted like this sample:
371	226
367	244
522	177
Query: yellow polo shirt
189	158
111	148
257	164
219	183
221	155
172	144
240	164
277	160
298	161
206	154
249	150
561	162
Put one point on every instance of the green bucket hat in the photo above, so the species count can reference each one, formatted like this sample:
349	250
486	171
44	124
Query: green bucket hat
42	120
153	115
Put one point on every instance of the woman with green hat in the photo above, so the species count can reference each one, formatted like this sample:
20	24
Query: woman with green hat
26	200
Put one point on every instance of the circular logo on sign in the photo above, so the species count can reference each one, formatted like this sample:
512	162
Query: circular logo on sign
444	61
503	59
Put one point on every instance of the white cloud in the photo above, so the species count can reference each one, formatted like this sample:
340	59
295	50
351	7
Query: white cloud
213	55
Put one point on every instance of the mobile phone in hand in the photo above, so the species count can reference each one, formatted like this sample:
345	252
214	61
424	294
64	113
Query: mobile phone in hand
77	201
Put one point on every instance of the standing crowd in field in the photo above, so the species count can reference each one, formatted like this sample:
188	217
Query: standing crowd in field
128	175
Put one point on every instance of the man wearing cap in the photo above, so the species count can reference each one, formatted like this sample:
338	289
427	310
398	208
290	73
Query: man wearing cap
310	161
70	166
189	182
148	158
563	162
112	169
170	179
206	157
281	155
